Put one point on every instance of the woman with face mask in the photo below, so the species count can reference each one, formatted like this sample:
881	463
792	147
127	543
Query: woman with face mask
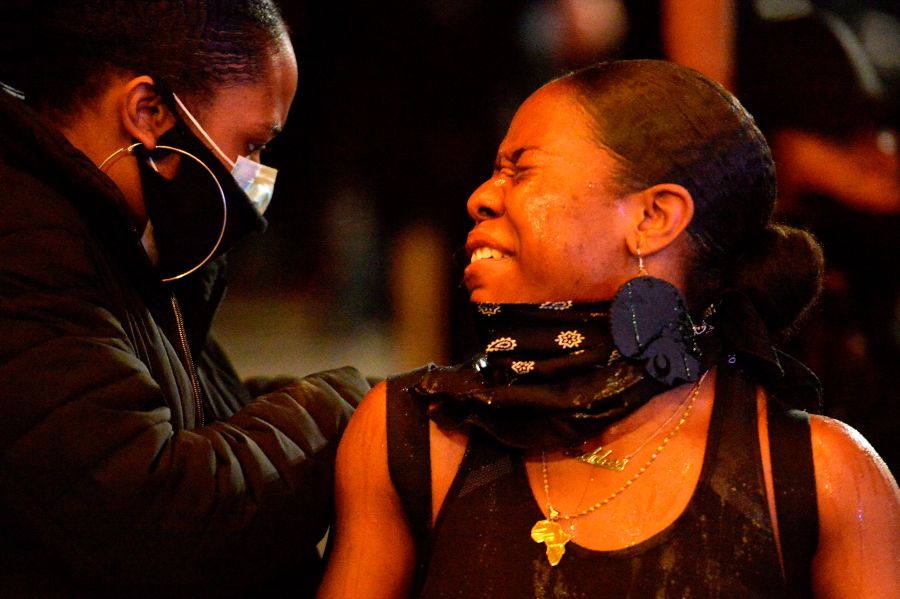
133	460
626	431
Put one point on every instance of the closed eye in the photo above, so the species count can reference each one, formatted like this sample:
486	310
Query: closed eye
521	172
508	164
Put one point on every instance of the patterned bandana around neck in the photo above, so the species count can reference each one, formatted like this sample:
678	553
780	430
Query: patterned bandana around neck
550	376
553	375
525	342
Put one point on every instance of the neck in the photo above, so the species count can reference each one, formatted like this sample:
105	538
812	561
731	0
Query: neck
94	137
660	413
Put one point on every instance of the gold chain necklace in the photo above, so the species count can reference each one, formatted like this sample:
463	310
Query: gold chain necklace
549	530
600	457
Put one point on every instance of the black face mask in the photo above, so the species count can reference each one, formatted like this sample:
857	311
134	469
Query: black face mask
187	212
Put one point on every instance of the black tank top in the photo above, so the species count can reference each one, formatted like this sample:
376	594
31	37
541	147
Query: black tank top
722	545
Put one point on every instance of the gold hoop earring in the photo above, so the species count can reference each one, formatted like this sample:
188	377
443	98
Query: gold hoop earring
126	150
123	151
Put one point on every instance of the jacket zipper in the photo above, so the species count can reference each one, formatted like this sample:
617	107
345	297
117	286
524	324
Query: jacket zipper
185	348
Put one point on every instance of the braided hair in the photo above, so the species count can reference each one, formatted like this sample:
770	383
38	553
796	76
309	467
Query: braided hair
59	52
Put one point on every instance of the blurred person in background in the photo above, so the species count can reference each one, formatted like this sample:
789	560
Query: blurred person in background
383	183
133	459
831	119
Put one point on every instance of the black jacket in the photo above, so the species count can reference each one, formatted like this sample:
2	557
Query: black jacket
109	485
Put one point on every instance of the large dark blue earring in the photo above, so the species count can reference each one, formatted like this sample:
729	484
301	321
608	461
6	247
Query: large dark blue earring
650	321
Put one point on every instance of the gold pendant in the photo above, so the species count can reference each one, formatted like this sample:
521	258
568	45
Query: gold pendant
595	458
552	534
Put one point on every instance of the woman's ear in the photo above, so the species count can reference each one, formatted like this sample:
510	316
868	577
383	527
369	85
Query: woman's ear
145	115
667	211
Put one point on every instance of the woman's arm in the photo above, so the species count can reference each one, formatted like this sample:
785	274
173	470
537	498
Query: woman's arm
101	468
701	34
373	554
859	516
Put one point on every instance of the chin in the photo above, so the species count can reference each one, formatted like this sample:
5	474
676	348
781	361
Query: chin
481	295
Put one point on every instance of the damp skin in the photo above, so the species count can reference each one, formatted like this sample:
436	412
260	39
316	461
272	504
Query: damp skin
549	210
859	511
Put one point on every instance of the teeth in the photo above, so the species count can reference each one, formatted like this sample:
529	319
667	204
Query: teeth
485	253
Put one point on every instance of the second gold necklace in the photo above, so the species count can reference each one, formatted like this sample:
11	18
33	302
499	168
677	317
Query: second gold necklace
601	458
551	532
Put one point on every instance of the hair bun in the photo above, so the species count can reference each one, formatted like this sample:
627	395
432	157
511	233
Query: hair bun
781	272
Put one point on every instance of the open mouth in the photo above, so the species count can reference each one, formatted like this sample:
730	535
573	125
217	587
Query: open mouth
486	253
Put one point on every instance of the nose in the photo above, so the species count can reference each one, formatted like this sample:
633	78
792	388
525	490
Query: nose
486	202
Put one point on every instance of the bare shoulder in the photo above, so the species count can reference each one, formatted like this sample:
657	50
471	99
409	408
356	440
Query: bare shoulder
364	493
850	475
363	451
842	455
859	515
363	448
371	409
372	553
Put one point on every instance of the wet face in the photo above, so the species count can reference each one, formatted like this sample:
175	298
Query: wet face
241	119
548	225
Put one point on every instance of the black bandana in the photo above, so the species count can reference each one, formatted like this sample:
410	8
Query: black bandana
525	342
551	375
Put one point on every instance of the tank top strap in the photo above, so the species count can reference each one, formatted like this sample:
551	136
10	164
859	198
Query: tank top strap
794	483
732	462
733	446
